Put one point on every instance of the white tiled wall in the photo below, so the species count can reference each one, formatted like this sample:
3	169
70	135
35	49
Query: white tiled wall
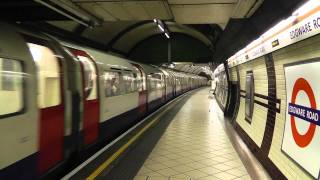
305	50
301	51
256	129
233	74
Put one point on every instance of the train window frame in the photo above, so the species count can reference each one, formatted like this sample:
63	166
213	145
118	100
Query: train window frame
154	80
5	84
24	91
126	90
249	98
120	88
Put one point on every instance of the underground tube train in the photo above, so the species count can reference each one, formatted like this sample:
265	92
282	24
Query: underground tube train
60	101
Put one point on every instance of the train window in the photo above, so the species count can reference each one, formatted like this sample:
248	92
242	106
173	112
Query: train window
138	79
150	83
7	83
48	74
158	81
90	78
112	83
249	101
11	86
154	81
129	82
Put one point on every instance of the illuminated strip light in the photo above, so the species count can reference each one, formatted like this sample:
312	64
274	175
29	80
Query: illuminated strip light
299	26
160	27
305	8
167	35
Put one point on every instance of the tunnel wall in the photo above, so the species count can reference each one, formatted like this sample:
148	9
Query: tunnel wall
264	134
183	48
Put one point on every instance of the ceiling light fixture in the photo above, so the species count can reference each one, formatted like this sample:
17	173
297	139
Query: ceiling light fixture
160	27
167	35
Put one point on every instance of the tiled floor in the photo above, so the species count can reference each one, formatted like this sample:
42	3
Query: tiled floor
194	146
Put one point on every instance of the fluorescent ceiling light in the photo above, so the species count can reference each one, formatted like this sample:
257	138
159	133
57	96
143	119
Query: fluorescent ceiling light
167	35
161	28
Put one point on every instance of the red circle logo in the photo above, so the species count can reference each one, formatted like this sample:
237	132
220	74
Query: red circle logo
303	140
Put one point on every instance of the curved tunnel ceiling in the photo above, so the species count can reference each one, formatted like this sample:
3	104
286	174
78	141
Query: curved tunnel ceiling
123	36
238	21
107	19
138	34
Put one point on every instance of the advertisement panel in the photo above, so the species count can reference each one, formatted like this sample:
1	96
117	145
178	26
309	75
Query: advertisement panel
301	140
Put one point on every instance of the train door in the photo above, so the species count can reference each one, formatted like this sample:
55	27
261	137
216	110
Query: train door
90	96
142	88
50	103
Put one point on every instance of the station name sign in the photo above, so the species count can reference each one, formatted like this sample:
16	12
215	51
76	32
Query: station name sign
305	113
305	28
292	30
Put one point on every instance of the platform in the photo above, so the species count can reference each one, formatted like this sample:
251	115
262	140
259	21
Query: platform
188	139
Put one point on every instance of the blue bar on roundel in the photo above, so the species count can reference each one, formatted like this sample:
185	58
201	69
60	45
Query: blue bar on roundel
305	113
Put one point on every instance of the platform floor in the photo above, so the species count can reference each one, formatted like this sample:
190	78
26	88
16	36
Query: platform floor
191	140
194	146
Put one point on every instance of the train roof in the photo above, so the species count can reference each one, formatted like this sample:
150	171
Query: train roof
147	68
102	58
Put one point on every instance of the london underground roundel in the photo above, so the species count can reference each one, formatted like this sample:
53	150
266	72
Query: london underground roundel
301	140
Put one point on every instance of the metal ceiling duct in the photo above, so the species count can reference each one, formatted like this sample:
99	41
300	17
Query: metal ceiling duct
72	11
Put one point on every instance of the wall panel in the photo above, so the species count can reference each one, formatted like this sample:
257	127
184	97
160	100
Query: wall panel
301	51
255	130
233	74
265	133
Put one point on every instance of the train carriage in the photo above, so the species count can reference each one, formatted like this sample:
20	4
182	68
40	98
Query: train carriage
155	86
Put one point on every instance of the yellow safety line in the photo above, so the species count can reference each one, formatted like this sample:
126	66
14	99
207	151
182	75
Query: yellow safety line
105	164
